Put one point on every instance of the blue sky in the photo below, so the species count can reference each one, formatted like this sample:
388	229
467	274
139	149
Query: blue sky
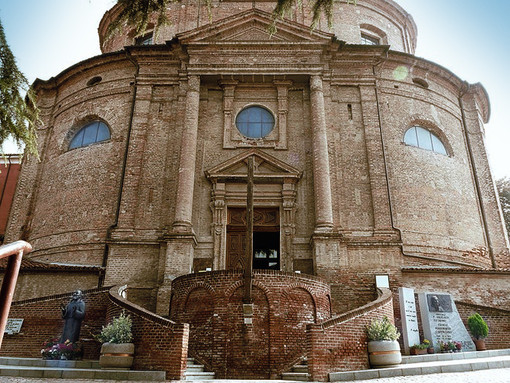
469	37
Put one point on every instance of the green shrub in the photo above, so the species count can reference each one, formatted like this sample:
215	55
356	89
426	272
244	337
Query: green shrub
477	326
382	329
118	331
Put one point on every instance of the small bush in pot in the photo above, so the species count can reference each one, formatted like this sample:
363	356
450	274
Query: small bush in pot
479	330
117	350
383	348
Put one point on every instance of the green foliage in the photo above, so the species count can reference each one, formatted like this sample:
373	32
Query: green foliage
503	186
382	329
18	115
118	331
137	14
283	7
477	326
422	346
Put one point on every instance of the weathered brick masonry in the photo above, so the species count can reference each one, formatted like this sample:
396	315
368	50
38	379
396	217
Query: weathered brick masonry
213	306
372	162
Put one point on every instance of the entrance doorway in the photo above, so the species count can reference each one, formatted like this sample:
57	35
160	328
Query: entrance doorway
266	238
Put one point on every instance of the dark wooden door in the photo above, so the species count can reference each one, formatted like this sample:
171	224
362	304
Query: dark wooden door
266	227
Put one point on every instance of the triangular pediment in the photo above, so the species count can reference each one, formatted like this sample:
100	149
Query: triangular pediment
250	26
266	167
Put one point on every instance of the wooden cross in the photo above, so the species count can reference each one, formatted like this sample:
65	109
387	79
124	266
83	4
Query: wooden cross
248	269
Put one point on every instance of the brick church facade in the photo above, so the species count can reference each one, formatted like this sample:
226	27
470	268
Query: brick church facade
368	161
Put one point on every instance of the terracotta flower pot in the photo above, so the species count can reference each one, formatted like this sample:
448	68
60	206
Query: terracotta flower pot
384	353
480	345
117	355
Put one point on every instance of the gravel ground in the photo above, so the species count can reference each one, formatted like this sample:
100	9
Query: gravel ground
483	376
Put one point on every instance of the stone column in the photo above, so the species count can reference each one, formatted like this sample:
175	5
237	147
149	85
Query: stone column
186	181
177	259
321	176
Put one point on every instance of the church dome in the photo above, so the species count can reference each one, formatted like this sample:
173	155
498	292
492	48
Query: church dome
370	22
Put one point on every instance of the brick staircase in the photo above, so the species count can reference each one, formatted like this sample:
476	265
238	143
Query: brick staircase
298	372
196	371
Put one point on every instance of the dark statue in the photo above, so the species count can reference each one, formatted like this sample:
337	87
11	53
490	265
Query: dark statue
73	315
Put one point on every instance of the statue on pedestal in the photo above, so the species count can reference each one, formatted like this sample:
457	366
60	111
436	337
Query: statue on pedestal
73	315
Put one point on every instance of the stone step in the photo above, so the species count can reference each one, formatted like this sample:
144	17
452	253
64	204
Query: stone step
300	368
80	373
70	369
37	362
453	356
427	367
197	375
296	376
195	368
196	371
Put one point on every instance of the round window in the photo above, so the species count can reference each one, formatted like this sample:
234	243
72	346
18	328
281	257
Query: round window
255	122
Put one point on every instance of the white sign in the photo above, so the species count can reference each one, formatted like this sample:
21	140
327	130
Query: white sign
411	332
13	326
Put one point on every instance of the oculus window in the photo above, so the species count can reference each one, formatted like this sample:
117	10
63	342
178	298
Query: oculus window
91	133
255	122
425	139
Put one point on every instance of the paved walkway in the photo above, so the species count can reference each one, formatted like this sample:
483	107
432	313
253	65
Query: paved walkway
484	376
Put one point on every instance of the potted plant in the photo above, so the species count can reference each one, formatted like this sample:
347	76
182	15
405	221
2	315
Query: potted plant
383	348
479	330
430	347
419	349
117	350
450	346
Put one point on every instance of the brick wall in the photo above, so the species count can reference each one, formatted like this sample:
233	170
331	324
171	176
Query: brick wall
160	344
43	321
498	321
487	288
212	303
340	344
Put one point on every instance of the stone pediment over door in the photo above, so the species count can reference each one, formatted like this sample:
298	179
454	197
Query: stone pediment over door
266	169
250	26
277	181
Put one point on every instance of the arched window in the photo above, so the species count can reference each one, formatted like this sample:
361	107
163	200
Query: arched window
425	139
95	131
255	122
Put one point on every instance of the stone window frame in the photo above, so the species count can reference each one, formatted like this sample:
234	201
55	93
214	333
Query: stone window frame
276	139
371	32
253	106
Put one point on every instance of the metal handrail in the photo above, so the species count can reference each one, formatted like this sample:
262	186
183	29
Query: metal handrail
14	251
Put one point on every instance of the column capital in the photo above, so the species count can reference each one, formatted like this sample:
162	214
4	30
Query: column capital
194	83
316	83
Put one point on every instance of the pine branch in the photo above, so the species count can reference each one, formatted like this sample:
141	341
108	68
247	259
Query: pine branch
18	115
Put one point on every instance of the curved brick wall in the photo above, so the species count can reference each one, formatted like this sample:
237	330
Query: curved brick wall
385	19
340	344
284	303
160	344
